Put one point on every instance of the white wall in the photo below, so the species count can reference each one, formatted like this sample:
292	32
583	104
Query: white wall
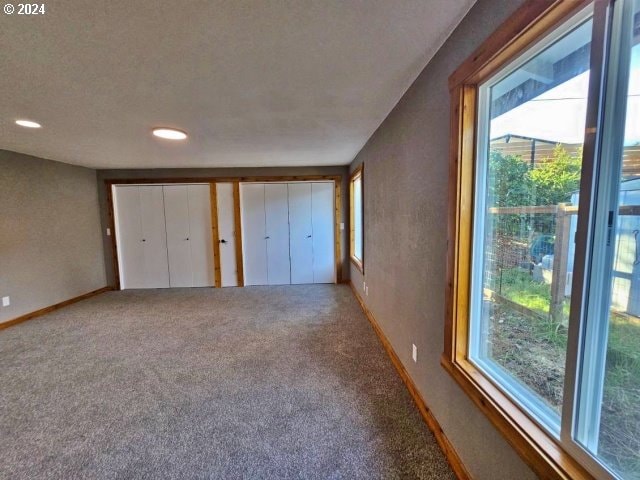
50	243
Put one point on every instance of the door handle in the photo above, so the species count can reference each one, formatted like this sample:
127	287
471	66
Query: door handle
223	241
267	238
308	236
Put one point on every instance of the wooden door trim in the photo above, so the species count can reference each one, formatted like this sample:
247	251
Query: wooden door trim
215	234
337	192
203	180
237	221
114	244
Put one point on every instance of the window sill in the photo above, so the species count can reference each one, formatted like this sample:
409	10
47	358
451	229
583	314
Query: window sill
358	264
537	448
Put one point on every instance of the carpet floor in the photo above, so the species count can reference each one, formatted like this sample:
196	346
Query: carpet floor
236	383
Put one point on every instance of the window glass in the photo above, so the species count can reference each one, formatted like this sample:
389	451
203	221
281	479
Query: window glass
357	217
529	162
609	413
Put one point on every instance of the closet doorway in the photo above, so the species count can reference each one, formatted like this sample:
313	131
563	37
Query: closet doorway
164	235
212	231
288	232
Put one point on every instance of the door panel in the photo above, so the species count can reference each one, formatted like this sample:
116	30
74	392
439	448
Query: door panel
129	237
154	235
226	234
277	229
323	215
176	205
200	235
300	239
254	246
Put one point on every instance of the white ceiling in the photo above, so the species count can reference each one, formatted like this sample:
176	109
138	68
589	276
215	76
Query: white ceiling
253	82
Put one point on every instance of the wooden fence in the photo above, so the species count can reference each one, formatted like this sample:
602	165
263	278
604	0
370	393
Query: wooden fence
563	213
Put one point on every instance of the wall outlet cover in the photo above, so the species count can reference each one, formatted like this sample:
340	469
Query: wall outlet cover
6	301
414	353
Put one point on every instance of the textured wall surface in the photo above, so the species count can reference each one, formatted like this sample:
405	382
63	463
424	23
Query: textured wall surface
219	172
50	245
405	225
253	82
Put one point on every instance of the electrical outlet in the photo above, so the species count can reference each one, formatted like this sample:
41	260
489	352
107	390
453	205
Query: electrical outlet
414	353
366	290
341	226
6	301
364	286
108	232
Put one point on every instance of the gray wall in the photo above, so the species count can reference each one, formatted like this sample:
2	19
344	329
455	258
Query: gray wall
219	172
405	228
50	245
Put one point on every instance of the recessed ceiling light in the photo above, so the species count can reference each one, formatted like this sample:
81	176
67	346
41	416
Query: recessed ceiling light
28	124
169	133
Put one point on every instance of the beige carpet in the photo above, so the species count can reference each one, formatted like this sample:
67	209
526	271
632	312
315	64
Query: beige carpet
240	383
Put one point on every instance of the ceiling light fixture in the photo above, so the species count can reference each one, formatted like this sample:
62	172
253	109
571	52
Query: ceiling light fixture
28	124
169	133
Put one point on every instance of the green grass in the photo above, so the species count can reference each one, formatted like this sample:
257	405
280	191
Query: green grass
624	336
620	431
519	287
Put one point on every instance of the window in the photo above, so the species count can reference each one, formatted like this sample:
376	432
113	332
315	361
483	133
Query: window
356	214
543	313
531	120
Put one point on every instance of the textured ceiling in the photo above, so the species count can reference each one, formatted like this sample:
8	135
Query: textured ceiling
253	82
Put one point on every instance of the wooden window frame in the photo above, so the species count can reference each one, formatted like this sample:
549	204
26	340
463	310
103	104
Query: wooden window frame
358	262
540	450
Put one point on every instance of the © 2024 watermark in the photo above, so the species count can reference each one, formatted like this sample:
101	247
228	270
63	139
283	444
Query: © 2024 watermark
24	9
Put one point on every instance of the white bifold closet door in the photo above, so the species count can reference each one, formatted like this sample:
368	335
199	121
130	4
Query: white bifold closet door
323	224
254	234
311	220
227	234
189	239
164	236
276	207
265	233
301	233
200	236
141	237
288	233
